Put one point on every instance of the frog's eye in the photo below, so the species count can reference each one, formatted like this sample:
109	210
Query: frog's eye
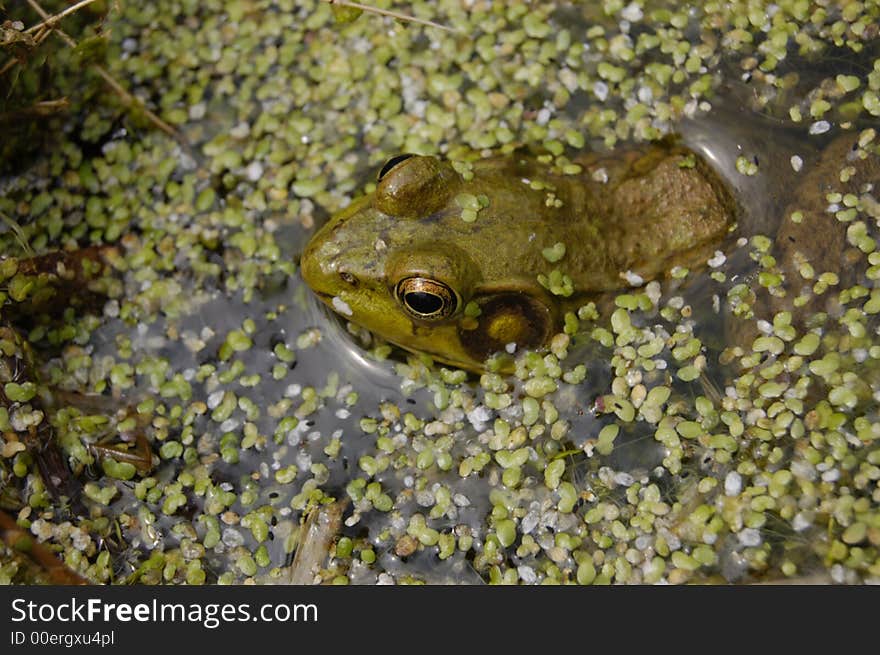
426	299
391	163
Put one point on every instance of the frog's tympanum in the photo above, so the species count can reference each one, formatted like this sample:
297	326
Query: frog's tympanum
461	263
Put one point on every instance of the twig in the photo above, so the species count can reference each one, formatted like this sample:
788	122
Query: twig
19	233
40	108
51	20
132	100
127	98
18	539
392	14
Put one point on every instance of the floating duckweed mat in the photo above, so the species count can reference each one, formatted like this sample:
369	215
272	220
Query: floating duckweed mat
641	448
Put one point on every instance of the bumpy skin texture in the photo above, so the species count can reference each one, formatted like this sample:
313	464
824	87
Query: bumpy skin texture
641	210
818	239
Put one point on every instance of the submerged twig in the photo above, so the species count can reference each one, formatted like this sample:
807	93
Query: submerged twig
41	108
316	534
78	278
127	98
392	14
51	20
19	233
19	540
36	434
131	446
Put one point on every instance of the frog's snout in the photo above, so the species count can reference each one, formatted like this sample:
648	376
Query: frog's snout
312	270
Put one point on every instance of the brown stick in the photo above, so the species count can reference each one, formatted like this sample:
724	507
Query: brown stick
52	20
127	98
41	108
316	534
392	14
19	540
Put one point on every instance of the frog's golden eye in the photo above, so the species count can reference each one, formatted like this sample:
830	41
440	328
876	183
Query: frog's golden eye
426	299
391	163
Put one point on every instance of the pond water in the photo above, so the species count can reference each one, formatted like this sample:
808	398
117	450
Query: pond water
644	448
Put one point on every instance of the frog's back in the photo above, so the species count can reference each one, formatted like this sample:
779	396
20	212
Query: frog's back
641	210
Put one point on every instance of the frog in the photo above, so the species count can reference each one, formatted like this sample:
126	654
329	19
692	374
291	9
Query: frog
462	262
817	236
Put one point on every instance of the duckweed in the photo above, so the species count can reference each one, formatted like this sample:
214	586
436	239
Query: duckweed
250	427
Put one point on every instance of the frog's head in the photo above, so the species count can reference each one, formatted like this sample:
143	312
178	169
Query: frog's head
402	263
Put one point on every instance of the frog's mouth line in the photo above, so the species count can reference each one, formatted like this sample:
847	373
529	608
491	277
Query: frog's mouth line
327	299
437	356
468	364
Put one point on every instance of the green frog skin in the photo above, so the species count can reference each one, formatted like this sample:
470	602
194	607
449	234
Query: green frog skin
461	265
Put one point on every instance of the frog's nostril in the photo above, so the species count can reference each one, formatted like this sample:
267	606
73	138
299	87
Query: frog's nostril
348	278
